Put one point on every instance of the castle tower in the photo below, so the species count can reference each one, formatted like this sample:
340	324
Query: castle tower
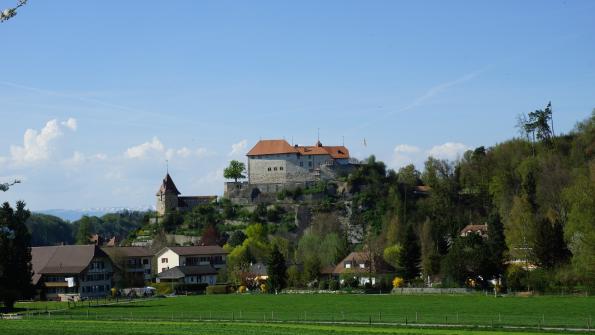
167	196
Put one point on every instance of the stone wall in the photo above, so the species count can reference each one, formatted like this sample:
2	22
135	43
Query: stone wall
285	168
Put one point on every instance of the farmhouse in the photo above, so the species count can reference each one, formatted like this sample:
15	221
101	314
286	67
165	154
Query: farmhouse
171	257
169	198
361	266
77	271
133	265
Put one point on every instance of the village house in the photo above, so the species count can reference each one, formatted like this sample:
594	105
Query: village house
133	265
361	266
169	198
71	272
479	229
171	257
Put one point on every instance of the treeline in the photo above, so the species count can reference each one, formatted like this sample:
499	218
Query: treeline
536	194
51	230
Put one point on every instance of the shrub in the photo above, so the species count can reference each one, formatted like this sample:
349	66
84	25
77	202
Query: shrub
219	289
242	289
323	285
398	282
333	285
264	288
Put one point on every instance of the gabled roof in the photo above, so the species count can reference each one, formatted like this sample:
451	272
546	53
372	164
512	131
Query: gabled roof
183	271
356	258
168	186
272	147
475	228
64	259
276	147
196	250
127	252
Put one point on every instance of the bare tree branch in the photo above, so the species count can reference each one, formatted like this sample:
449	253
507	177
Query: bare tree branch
11	12
5	186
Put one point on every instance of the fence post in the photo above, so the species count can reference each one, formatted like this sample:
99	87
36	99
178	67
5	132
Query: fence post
272	316
499	318
416	317
379	316
405	319
369	319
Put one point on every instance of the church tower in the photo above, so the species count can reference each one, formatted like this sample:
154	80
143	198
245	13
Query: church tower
167	196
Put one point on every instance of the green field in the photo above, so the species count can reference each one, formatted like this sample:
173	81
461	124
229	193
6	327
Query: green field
76	327
464	310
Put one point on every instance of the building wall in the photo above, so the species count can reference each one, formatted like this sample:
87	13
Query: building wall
166	202
96	281
201	279
167	260
284	168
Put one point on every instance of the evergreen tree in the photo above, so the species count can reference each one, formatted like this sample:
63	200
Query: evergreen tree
410	258
15	255
550	249
277	270
84	231
496	242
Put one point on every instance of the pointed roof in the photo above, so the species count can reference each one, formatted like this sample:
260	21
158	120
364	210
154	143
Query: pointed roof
168	186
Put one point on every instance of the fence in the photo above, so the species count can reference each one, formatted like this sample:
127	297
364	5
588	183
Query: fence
92	311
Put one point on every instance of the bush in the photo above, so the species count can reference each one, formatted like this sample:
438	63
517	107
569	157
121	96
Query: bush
323	285
398	282
333	285
242	289
219	289
193	288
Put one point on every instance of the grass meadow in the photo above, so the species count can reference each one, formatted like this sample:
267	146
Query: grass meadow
307	314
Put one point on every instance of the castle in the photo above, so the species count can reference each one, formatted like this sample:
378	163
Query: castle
274	165
169	198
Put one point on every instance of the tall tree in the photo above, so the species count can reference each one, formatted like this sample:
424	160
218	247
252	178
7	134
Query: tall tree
410	257
277	270
235	171
15	255
84	231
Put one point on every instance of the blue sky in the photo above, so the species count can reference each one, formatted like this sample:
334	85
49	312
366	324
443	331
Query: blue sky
94	96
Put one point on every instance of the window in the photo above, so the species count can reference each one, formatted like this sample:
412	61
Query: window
145	261
281	168
164	260
310	164
302	164
275	168
362	265
269	169
348	265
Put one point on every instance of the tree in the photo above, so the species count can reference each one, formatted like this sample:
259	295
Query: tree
277	270
235	171
410	258
15	255
236	238
496	242
84	231
468	261
11	12
392	255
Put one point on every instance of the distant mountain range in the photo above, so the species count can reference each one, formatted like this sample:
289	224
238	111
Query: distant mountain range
75	214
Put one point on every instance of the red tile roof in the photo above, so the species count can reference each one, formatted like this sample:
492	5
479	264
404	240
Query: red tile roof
276	147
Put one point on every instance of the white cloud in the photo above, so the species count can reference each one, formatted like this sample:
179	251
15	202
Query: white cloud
448	150
79	158
238	148
70	123
38	145
155	146
405	154
142	150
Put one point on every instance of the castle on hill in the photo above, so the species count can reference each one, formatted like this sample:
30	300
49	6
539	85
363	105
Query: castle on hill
275	165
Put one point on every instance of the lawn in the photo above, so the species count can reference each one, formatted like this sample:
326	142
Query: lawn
76	327
469	310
